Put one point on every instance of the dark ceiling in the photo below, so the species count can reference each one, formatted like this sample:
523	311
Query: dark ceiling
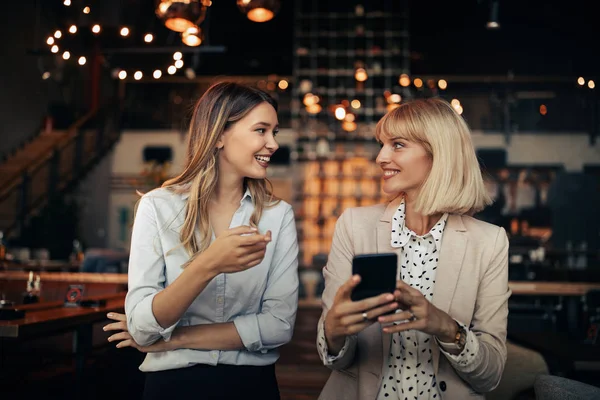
536	37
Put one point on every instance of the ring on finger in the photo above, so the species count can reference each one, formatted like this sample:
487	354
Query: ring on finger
412	316
365	317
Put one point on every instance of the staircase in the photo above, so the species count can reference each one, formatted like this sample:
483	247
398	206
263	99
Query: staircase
53	163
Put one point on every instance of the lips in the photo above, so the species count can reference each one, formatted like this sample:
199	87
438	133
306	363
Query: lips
263	161
390	173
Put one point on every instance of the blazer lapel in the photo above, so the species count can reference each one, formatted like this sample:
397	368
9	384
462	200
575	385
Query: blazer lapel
452	253
384	245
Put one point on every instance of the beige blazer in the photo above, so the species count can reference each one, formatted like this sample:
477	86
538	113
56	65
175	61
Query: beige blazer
471	286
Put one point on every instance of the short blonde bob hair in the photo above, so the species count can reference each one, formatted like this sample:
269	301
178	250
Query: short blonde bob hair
454	184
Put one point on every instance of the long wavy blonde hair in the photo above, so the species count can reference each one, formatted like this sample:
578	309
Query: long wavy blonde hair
221	106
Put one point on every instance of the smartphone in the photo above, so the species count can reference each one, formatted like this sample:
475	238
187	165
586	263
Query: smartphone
378	274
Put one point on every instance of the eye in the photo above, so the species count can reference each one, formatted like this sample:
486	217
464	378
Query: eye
261	131
398	145
275	132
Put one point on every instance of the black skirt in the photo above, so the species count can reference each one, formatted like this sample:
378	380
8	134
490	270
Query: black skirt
213	382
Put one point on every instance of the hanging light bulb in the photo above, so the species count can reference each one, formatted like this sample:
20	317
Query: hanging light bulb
96	29
122	74
259	10
192	36
172	69
81	60
148	38
179	15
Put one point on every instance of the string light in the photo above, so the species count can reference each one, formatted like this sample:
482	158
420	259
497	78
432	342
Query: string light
283	84
157	74
96	29
122	75
581	81
171	70
442	84
54	49
148	38
58	34
66	55
46	75
591	84
138	75
178	64
124	31
177	56
86	10
50	41
72	29
81	60
67	3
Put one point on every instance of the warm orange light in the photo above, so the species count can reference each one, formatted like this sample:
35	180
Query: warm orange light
283	84
313	109
418	82
404	80
260	15
192	36
349	126
543	109
591	84
124	31
361	75
581	81
96	29
148	38
355	104
442	84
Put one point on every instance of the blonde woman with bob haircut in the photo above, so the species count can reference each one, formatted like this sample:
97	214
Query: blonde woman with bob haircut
213	282
442	333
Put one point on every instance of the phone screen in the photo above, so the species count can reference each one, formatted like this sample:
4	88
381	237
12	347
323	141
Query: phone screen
378	274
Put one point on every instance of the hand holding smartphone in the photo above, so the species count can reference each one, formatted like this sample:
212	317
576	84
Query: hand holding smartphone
377	272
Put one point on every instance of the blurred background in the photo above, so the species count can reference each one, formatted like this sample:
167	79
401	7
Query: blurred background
95	102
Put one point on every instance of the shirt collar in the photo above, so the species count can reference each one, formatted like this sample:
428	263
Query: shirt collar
401	234
185	193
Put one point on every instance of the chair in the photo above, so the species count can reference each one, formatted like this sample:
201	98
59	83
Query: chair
523	365
549	387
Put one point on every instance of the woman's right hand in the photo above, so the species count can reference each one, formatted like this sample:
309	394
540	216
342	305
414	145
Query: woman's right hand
347	317
237	249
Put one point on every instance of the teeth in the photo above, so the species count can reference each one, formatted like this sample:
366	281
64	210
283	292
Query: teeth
390	173
263	158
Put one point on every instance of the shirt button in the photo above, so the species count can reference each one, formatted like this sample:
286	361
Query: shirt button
214	354
220	300
443	386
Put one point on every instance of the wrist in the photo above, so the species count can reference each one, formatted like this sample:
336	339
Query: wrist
449	331
204	266
335	343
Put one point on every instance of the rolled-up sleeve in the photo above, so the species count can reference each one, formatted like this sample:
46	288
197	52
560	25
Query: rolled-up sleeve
146	276
274	325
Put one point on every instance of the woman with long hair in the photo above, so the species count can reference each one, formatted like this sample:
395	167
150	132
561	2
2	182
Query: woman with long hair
442	333
213	283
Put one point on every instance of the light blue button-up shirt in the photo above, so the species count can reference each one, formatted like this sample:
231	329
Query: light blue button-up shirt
261	301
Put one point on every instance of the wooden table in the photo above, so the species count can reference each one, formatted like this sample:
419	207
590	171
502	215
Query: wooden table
42	265
534	288
74	277
45	319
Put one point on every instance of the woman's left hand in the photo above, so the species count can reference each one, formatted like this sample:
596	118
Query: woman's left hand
125	338
419	314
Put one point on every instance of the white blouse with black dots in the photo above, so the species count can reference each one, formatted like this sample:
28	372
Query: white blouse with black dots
409	372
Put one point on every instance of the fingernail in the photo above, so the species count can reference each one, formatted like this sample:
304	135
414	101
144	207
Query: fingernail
118	345
110	338
389	297
109	314
103	328
253	229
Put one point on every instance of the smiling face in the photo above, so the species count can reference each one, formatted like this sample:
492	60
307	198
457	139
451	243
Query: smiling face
246	147
405	165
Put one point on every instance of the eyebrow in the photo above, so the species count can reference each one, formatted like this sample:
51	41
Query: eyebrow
266	124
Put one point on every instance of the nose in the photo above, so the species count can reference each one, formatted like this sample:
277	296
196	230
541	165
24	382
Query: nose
383	157
271	144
